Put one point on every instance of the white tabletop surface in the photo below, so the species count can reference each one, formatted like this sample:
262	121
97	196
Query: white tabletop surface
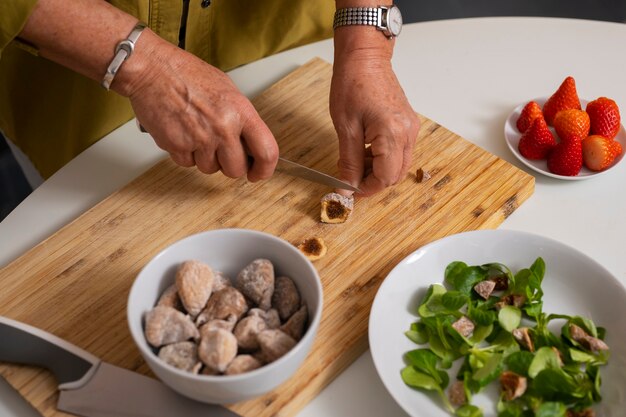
467	75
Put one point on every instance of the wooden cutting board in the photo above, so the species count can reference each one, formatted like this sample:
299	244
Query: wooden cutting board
75	283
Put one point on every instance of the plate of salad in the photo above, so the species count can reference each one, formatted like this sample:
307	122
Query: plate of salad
501	323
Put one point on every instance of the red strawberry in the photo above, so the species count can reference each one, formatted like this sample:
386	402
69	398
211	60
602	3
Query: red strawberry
572	123
537	141
598	153
564	98
604	116
616	148
529	113
566	158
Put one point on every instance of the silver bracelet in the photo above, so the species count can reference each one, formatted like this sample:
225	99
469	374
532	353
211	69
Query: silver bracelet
123	51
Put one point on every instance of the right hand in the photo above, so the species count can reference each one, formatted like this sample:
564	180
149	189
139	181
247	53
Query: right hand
195	112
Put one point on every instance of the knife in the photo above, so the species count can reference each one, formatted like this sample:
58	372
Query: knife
90	387
296	170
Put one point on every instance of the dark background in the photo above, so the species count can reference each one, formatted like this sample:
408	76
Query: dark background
423	10
14	187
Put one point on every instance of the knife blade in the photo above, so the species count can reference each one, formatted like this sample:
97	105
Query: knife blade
90	387
294	169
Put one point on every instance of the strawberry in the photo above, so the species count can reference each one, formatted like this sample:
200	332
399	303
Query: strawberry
566	158
604	115
529	113
616	148
537	141
598	153
564	98
572	123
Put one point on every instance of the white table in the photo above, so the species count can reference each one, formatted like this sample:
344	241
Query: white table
465	74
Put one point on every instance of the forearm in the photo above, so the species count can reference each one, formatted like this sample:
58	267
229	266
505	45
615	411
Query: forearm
82	34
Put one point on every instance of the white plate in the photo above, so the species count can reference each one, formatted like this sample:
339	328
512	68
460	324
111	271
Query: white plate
574	284
512	137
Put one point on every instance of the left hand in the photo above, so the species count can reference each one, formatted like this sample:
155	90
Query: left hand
368	106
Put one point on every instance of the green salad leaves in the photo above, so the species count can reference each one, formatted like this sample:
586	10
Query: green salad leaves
492	322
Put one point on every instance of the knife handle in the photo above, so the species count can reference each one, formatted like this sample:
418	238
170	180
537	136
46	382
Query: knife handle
27	345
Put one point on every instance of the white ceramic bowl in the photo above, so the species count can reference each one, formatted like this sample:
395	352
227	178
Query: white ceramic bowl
229	251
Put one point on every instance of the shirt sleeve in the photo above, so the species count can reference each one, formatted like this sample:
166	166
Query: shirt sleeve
13	17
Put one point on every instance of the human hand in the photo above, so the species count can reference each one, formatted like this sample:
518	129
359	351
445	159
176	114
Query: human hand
195	113
368	106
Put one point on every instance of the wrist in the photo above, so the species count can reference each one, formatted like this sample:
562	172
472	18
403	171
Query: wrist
362	42
138	66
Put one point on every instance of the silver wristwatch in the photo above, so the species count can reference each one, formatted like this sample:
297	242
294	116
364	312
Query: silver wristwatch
387	19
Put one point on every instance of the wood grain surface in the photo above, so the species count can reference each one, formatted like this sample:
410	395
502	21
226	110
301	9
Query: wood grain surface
75	283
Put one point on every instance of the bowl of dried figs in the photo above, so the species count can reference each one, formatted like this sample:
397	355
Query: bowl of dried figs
225	315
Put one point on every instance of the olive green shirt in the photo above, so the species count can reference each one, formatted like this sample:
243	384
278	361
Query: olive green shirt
52	114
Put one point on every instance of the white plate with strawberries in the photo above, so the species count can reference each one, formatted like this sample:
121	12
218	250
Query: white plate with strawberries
547	144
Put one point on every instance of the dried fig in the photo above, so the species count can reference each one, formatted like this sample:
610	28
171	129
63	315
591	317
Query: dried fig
221	281
223	304
166	325
194	281
464	326
296	324
217	349
182	355
271	317
209	371
227	324
274	344
485	288
286	298
247	330
243	363
170	298
256	283
456	393
513	385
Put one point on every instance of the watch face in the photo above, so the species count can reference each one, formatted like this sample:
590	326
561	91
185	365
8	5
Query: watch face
394	20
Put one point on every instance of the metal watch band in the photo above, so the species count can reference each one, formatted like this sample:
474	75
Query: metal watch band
123	51
371	16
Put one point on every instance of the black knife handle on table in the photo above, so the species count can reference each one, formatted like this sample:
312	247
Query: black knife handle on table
27	345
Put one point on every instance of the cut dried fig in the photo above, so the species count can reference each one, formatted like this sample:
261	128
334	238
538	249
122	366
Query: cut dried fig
421	175
336	208
313	248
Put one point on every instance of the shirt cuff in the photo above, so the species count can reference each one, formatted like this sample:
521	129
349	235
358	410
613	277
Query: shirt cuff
13	17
